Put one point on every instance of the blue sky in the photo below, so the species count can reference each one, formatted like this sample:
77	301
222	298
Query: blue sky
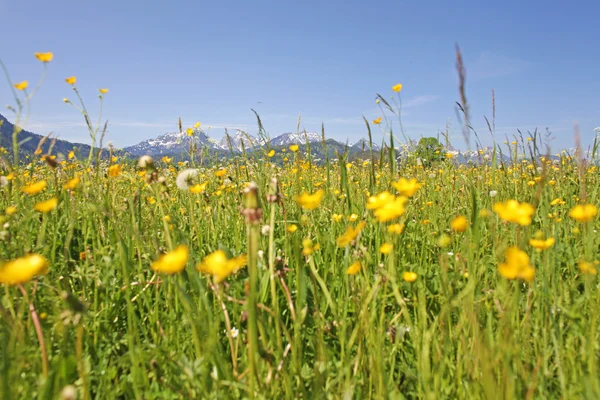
213	61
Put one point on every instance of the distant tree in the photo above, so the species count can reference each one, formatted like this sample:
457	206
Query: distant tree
430	150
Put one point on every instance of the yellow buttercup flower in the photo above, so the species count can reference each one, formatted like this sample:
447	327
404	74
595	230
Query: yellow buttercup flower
271	153
197	125
44	57
294	148
513	211
71	80
10	210
23	269
308	247
71	155
354	268
103	91
386	248
34	188
310	201
46	206
221	173
587	268
217	265
407	187
375	202
115	170
189	131
350	234
584	213
198	188
516	265
173	261
377	121
409	277
337	217
459	224
396	228
391	210
541	244
21	85
397	88
292	228
72	183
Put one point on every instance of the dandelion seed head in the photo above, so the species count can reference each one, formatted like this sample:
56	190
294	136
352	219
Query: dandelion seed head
186	178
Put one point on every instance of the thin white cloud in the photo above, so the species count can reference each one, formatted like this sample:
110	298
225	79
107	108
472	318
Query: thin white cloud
140	124
419	101
493	65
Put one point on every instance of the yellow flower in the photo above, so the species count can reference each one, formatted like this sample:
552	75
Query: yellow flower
587	268
513	211
221	173
459	224
375	202
166	159
310	201
34	188
44	57
151	200
46	206
72	183
397	88
308	247
350	234
198	188
557	201
377	121
584	213
409	277
197	125
23	269
71	80
407	187
190	131
516	265
271	153
294	148
396	228
354	268
10	210
292	228
352	217
391	210
21	85
114	170
444	240
541	244
172	262
337	217
386	248
103	91
217	265
71	155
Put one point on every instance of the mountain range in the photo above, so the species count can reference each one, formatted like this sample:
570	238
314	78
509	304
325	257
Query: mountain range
178	145
28	142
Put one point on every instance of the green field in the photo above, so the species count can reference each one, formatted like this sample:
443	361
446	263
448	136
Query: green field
375	278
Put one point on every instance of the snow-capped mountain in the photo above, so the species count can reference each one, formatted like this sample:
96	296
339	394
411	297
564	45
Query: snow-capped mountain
363	145
240	137
290	138
169	143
